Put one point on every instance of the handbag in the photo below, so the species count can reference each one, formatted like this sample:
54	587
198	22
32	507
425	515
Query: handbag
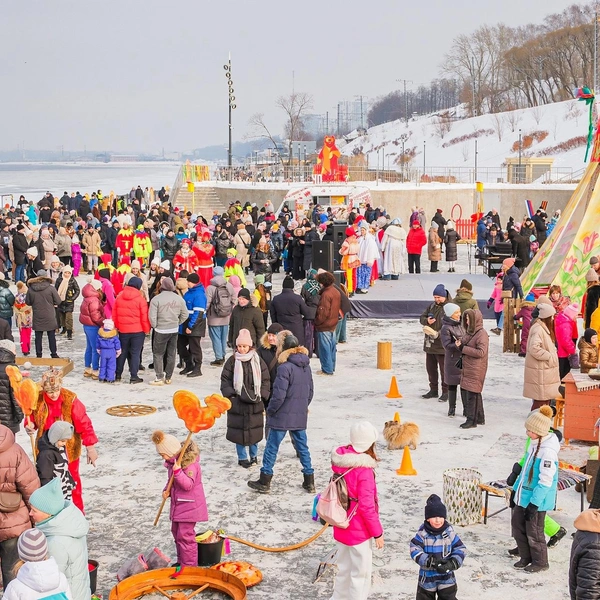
574	361
458	364
10	501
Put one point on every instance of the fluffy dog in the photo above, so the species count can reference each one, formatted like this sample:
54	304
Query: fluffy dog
399	435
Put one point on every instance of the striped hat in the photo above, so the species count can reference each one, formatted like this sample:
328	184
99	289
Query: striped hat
32	546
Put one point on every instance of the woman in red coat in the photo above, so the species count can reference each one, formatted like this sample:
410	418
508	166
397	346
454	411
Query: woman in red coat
415	241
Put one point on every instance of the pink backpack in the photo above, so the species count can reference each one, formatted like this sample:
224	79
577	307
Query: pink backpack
333	502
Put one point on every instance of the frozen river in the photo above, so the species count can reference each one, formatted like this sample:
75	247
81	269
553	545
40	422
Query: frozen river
34	179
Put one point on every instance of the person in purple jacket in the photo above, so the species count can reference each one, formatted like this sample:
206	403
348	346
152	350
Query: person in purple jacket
354	550
109	348
188	503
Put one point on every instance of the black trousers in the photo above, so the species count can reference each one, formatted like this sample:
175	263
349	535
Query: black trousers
8	559
414	263
475	411
189	348
564	367
51	343
433	363
434	266
448	593
132	345
529	536
164	351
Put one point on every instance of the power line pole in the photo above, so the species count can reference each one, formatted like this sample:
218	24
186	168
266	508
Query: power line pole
404	82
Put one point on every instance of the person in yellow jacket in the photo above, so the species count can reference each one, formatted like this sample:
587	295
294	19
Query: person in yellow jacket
234	267
142	245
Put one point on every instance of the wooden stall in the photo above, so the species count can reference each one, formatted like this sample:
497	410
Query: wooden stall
582	407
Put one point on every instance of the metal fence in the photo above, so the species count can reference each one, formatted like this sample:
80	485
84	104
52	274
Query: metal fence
449	175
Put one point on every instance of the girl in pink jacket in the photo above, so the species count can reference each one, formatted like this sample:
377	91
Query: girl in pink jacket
563	329
354	558
188	503
498	302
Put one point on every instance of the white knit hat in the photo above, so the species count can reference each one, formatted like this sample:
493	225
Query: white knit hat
166	443
363	435
156	261
166	265
33	251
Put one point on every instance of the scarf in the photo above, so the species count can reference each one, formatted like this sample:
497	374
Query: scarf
238	373
312	286
62	289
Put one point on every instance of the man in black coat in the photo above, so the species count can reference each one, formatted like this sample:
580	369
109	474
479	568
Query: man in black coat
439	219
20	245
43	299
84	208
289	310
46	205
520	248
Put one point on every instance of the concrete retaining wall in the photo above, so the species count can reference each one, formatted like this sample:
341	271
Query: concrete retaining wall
508	199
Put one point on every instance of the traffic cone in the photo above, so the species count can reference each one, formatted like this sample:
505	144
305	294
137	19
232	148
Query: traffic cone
394	392
397	417
406	466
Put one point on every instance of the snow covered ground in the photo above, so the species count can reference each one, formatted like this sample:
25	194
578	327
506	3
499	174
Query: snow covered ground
497	136
123	492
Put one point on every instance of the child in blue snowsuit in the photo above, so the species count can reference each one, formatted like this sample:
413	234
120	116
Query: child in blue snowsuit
438	550
109	347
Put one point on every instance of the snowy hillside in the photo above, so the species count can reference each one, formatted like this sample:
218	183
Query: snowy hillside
558	130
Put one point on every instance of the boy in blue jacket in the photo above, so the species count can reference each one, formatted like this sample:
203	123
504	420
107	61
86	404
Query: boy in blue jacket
438	550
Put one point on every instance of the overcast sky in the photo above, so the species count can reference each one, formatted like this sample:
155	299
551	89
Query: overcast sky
148	74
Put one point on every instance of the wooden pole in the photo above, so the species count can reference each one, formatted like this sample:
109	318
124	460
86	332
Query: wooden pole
33	448
384	355
170	485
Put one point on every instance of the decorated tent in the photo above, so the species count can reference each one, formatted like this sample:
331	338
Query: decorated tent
564	258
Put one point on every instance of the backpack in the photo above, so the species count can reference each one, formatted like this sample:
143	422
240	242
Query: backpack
221	301
333	502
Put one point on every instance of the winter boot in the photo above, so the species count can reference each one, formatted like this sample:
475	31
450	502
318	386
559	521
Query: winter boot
69	335
189	367
309	484
451	402
196	372
443	397
470	410
263	485
430	394
64	330
559	535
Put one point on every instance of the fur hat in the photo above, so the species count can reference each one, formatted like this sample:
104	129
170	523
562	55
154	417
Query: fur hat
8	345
166	443
362	436
52	380
32	545
435	507
546	310
450	309
540	421
244	338
49	498
467	285
60	430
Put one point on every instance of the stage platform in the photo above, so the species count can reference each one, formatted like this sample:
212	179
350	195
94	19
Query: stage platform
408	297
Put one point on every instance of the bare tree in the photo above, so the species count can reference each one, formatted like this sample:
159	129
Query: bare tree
513	118
574	111
465	151
537	112
295	106
259	129
442	125
498	125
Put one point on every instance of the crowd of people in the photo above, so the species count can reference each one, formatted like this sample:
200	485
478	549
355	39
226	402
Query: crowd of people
154	270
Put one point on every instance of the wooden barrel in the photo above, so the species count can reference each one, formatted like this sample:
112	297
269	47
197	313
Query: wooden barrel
384	355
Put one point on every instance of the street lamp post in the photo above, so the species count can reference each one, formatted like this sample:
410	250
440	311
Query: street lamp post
232	107
424	155
520	140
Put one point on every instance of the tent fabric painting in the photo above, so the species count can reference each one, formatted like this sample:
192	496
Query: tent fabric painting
564	258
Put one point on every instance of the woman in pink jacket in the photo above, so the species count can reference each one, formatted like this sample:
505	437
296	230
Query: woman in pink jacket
563	329
354	558
188	503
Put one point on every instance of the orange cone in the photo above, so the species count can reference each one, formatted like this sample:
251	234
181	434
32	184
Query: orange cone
394	392
406	466
397	417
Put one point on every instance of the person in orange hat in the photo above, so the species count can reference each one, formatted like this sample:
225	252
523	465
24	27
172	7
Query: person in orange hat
511	281
350	260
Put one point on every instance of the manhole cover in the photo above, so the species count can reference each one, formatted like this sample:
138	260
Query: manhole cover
131	410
